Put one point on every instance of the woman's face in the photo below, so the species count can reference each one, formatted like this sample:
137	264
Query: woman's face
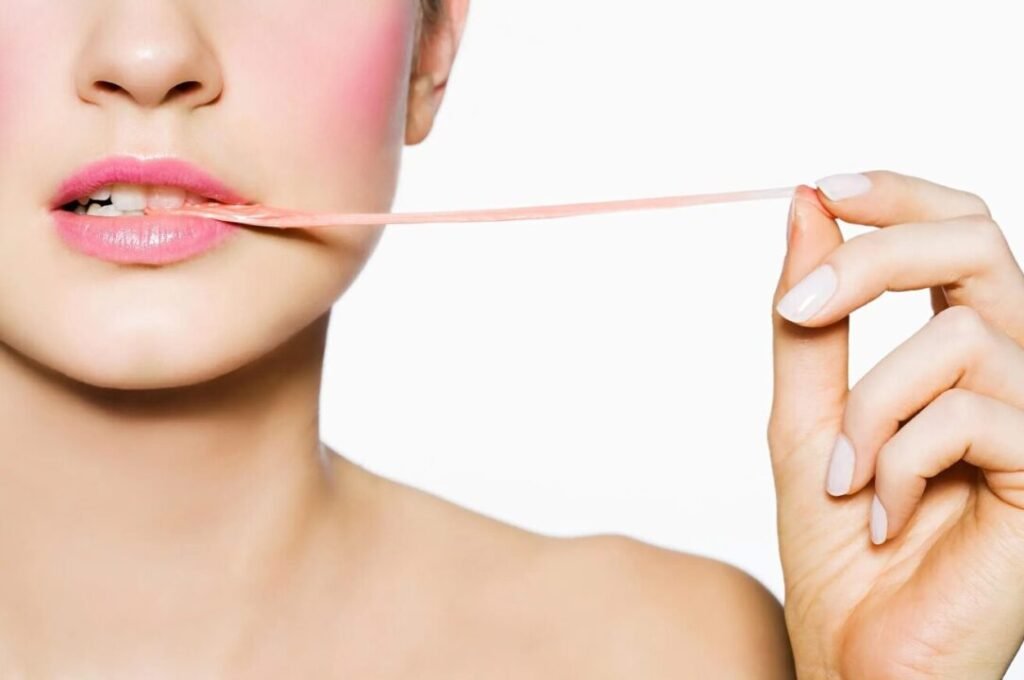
292	103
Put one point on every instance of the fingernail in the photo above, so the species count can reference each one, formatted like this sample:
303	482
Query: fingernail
847	185
809	296
840	467
879	521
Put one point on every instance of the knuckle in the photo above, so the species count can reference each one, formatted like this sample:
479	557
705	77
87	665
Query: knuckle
964	326
774	433
955	405
990	246
780	432
858	407
890	462
976	204
884	175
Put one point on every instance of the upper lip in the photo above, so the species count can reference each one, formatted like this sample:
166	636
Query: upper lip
162	171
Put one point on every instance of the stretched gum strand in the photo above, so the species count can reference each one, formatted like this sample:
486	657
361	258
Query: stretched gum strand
263	216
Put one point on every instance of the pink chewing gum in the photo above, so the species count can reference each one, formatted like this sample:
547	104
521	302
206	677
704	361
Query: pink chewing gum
264	216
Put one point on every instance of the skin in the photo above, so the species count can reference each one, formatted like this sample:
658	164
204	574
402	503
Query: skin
170	510
937	429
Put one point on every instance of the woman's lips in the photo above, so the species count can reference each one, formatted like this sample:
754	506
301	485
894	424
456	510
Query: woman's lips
159	239
155	171
150	239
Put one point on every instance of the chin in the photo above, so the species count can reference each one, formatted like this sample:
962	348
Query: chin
141	355
171	327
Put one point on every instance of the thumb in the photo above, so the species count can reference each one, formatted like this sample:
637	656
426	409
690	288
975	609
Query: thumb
811	373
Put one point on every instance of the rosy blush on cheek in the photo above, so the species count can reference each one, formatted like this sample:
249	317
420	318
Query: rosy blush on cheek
331	93
367	80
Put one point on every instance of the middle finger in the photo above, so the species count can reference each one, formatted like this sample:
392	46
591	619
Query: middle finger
957	348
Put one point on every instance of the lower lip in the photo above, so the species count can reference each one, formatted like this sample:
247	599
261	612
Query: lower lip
161	239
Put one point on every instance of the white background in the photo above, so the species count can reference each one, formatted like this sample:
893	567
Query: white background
613	373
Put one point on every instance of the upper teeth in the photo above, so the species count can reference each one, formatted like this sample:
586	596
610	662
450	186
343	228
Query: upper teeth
132	199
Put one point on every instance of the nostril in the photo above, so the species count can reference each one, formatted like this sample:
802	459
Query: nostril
107	86
184	88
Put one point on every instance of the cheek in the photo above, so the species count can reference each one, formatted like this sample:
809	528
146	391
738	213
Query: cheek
8	87
29	63
5	97
370	80
347	84
331	102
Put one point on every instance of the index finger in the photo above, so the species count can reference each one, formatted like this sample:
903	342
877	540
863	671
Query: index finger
881	198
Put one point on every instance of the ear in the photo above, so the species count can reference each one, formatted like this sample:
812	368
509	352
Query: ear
431	69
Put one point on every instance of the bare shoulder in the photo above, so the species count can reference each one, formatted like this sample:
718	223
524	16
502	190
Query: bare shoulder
658	613
604	606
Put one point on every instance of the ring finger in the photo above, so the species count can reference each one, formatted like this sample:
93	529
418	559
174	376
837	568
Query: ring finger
958	425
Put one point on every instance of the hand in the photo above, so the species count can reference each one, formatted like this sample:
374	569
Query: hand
901	500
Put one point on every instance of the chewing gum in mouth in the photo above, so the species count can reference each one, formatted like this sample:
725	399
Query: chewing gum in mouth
264	216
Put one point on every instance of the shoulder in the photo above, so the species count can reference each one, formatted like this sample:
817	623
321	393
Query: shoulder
602	606
658	613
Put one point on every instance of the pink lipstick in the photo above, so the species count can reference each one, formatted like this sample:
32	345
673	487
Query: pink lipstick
101	210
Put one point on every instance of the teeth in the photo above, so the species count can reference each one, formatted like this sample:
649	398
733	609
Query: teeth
128	197
133	199
102	210
169	198
109	211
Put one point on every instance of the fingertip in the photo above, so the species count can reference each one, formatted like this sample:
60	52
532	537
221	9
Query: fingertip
813	198
807	298
841	466
835	188
814	218
801	195
805	192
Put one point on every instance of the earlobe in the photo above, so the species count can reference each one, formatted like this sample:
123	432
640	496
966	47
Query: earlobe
422	108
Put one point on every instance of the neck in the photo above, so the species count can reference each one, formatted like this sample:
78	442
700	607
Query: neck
119	508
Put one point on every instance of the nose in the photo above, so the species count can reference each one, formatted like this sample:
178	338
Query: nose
150	53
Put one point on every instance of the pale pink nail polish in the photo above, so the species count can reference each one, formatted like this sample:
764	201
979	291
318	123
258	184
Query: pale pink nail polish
879	522
840	467
839	187
808	297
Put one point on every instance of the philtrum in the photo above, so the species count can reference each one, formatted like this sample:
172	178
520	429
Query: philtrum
264	216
